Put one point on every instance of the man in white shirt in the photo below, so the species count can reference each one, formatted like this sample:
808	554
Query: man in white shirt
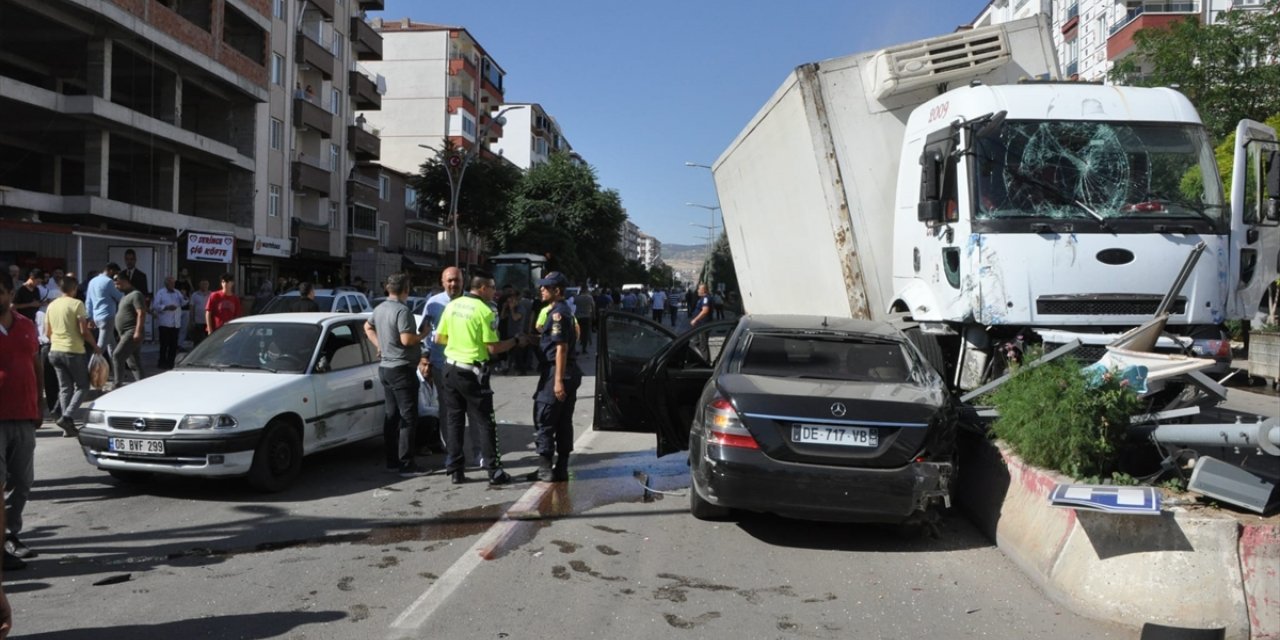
167	305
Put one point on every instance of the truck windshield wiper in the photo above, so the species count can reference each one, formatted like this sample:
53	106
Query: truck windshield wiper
1189	206
1054	191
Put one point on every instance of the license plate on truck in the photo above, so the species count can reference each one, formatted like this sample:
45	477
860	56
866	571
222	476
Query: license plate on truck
843	436
136	446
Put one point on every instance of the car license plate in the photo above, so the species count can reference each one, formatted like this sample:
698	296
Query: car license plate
844	436
136	446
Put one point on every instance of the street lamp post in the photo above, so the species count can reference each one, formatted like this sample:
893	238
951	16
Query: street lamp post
711	229
455	166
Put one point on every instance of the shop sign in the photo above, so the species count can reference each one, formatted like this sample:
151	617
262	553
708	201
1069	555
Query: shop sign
210	247
275	247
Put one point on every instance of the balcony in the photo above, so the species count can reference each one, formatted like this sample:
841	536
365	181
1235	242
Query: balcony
362	190
312	116
459	63
364	90
314	54
364	144
1147	16
371	5
323	6
366	42
1073	68
310	177
1073	18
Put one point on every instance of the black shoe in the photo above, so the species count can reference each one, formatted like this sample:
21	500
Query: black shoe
13	563
68	427
543	474
499	477
412	470
457	477
14	547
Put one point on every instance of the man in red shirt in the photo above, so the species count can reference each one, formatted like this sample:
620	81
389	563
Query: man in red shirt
21	386
223	305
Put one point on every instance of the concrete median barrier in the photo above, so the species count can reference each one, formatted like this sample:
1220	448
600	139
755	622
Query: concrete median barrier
1195	569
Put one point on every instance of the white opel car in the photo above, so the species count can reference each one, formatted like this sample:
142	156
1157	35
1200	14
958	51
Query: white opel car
251	400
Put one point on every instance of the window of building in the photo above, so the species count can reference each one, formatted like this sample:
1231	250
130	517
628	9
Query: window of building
277	69
273	201
335	101
384	187
334	160
418	240
411	198
279	8
468	125
277	133
333	216
363	221
384	234
336	47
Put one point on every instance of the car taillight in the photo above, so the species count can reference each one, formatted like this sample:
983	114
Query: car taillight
724	428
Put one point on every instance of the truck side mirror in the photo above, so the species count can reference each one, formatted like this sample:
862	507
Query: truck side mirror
1271	167
929	209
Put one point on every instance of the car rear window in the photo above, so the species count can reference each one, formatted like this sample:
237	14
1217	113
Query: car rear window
825	357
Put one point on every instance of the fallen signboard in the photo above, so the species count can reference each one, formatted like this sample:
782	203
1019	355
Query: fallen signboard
1143	501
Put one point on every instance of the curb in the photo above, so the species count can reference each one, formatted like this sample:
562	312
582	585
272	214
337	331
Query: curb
1180	569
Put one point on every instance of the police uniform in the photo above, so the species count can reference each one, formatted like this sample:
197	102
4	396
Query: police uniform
553	419
467	325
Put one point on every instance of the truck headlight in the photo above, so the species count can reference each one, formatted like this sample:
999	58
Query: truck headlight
215	421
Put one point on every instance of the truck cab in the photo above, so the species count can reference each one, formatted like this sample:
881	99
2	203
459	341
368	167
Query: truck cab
1067	208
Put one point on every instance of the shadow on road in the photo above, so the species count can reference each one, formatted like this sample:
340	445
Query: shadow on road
251	626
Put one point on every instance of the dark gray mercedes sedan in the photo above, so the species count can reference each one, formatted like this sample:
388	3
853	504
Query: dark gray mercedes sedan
803	416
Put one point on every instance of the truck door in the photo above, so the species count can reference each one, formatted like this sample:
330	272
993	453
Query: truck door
1255	229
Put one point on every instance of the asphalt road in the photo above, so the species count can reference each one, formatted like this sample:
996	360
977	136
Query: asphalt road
353	551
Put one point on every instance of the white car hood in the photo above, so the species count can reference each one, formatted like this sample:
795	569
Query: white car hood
195	391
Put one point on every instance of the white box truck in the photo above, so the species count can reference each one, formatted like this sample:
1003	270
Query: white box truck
953	180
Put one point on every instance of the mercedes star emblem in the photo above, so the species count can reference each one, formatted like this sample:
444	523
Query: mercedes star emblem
838	410
140	424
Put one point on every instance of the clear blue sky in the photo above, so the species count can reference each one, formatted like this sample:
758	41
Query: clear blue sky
642	86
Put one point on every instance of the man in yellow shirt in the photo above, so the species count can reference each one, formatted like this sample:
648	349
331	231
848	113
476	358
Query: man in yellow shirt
66	324
467	331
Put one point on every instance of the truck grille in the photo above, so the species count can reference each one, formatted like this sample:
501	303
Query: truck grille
125	423
1105	305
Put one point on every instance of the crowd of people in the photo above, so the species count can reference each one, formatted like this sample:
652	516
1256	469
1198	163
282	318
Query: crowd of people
51	325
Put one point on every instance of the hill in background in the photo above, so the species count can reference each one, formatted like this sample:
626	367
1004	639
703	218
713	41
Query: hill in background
685	258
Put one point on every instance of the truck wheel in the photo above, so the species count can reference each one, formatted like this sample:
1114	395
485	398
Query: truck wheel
703	510
278	458
932	351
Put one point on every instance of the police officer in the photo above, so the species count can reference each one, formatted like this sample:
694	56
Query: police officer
558	381
467	331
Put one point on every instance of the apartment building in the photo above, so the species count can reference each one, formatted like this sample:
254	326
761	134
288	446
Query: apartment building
629	240
1091	35
529	135
441	84
649	249
390	231
182	129
130	124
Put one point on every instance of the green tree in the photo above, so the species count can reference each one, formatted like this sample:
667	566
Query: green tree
1229	70
661	275
717	269
488	186
559	210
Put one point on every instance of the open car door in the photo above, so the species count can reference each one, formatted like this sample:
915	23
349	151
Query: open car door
648	379
673	381
627	343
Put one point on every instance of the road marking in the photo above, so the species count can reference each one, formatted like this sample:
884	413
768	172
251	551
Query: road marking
414	617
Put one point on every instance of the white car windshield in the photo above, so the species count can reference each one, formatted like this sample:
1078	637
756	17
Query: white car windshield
277	347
